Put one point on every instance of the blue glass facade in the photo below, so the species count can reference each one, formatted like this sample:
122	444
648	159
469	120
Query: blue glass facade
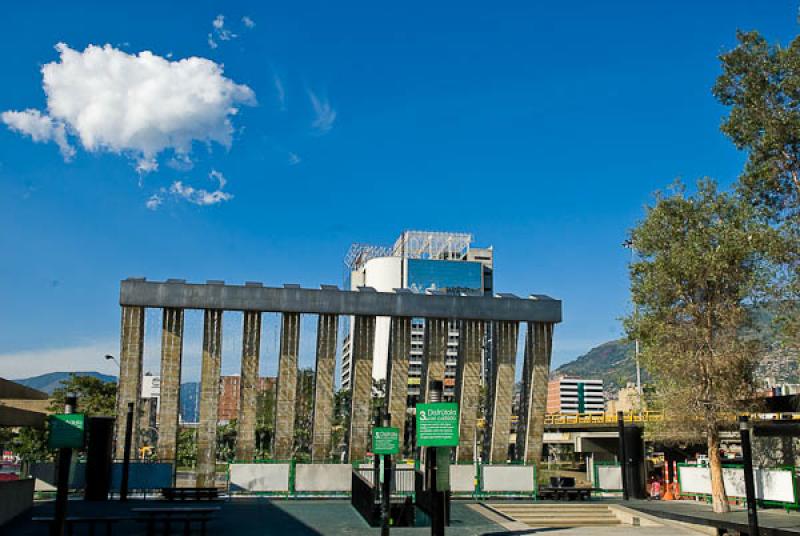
450	276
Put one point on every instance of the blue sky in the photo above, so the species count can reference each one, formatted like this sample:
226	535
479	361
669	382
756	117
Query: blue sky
541	128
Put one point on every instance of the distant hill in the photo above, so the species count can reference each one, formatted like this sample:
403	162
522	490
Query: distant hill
613	362
51	381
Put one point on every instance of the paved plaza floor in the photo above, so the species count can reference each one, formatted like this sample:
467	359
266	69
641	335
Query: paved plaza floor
261	516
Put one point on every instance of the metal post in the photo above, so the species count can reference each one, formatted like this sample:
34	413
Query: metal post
62	482
623	457
387	484
438	515
376	463
126	457
749	484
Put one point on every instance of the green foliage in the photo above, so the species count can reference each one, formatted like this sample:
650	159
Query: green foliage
303	415
95	397
760	85
265	422
30	444
226	442
186	448
701	263
341	422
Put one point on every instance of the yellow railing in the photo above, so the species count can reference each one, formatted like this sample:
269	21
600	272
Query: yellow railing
602	418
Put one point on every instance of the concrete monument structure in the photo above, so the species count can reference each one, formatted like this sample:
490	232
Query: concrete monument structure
473	315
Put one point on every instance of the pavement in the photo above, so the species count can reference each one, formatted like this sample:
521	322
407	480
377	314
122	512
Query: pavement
264	516
772	522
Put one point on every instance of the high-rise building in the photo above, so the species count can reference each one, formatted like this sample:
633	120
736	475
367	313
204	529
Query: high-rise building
422	262
575	395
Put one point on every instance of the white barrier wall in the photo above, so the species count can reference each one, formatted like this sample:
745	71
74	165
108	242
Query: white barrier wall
462	478
508	478
771	484
609	477
323	477
257	477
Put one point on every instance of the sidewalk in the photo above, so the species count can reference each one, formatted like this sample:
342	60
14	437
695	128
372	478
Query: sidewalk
771	522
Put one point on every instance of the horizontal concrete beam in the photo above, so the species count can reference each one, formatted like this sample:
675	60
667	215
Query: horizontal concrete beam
292	299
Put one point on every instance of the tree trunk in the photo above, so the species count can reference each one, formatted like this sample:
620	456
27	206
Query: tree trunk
719	499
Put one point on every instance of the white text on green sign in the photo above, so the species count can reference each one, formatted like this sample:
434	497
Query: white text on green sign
386	440
437	424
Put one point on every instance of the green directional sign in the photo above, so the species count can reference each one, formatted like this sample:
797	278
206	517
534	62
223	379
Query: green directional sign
437	424
66	431
386	440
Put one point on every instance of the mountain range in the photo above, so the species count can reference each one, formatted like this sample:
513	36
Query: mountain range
51	381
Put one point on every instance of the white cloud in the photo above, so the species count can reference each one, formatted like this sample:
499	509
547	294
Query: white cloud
220	31
154	202
248	22
294	159
88	357
211	43
40	128
134	104
324	114
202	197
280	91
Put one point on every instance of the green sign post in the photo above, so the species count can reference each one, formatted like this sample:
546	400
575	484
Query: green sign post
437	424
67	431
385	440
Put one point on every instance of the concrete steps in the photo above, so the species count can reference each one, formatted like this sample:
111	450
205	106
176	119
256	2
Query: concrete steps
555	515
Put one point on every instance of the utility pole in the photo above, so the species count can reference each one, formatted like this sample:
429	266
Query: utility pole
62	480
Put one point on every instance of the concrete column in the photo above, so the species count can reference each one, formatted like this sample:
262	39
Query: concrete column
468	386
248	387
538	351
209	399
169	397
506	340
435	348
131	347
361	387
327	328
287	386
397	371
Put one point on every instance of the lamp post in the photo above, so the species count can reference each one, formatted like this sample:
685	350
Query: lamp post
629	245
112	358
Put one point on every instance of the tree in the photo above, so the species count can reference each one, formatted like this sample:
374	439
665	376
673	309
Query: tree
265	421
30	444
700	267
186	447
303	414
760	83
95	397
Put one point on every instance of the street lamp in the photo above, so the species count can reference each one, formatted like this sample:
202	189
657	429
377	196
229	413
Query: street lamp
112	358
629	245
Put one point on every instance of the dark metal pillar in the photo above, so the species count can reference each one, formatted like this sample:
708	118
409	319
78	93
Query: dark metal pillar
126	457
62	482
623	458
749	483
